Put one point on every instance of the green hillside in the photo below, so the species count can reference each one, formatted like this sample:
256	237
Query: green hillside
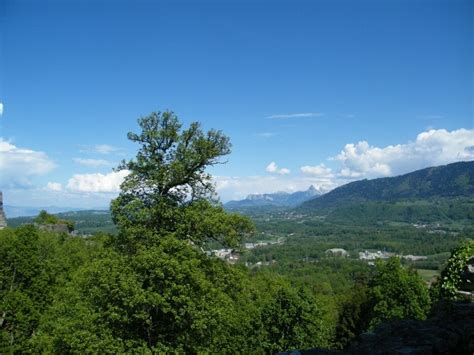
438	194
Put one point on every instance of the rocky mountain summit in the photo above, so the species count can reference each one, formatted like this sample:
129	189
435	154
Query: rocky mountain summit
282	199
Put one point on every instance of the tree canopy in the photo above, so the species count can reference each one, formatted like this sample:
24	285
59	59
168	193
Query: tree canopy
168	189
397	293
45	218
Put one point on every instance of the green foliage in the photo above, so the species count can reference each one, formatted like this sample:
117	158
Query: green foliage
408	211
34	264
391	292
291	318
397	293
451	276
168	189
353	315
172	297
46	218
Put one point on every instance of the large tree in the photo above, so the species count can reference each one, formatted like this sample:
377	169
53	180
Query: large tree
168	189
397	293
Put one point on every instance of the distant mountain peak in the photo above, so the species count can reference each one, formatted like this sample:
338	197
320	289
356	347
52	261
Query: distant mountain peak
313	190
280	198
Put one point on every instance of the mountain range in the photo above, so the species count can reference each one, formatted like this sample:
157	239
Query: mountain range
278	199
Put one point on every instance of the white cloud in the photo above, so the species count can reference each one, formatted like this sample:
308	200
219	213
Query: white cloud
93	162
431	148
296	115
97	182
101	149
18	165
54	186
273	168
1	108
318	171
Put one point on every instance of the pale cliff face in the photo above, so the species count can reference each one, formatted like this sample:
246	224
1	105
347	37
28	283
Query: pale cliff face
3	219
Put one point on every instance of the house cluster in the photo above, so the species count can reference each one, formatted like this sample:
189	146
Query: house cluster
229	255
371	256
424	225
367	255
232	256
262	244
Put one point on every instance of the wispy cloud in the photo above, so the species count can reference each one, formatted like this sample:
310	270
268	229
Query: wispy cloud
295	115
100	149
1	108
93	162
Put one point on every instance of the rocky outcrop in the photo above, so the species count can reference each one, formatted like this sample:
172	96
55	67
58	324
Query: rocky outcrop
55	228
3	218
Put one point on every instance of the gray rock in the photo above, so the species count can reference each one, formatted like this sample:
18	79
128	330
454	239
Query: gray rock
3	218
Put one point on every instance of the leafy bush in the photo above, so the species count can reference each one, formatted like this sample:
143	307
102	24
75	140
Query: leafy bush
451	276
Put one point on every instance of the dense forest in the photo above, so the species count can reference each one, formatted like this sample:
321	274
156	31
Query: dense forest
149	286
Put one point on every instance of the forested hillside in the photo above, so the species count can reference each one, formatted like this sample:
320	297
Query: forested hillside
453	180
437	194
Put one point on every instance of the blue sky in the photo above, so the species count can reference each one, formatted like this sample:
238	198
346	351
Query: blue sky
327	91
